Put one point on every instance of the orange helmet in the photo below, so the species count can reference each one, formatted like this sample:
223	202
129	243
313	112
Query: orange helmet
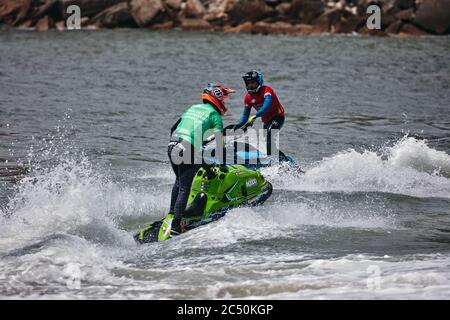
216	95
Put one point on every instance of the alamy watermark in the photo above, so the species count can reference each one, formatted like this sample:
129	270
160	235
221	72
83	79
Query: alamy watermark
373	282
73	22
228	147
374	20
73	273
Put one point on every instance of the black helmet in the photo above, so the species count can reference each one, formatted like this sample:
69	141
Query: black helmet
253	76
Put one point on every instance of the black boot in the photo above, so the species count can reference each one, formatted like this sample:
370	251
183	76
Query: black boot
176	228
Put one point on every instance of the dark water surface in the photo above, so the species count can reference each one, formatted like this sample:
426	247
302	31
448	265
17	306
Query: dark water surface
89	114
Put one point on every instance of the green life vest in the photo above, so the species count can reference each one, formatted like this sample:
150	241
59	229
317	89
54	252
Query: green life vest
197	123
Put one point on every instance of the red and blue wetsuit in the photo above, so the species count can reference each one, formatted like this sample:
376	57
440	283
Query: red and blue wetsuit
268	107
266	103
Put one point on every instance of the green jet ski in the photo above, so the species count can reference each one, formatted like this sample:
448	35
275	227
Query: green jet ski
215	190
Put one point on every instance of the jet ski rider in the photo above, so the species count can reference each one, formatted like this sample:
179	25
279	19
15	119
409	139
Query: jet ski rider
187	138
264	99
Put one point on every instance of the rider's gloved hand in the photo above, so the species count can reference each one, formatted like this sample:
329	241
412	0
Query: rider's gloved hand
250	121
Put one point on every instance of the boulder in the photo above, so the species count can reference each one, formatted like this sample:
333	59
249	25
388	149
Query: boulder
272	3
12	7
193	9
86	23
405	4
394	27
283	9
118	15
13	12
217	12
330	17
273	28
284	28
44	24
174	4
406	15
27	24
51	8
195	24
386	20
239	11
373	33
348	24
388	6
408	30
24	13
88	8
433	15
305	29
57	9
244	27
311	10
308	10
146	12
164	25
60	25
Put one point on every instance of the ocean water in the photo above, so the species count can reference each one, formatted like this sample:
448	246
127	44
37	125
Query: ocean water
89	114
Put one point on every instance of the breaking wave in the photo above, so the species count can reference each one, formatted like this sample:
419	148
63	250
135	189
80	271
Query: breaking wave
410	167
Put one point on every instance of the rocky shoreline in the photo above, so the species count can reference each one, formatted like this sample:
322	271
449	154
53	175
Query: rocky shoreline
293	17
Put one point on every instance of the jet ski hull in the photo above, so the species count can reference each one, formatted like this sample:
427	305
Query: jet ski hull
214	191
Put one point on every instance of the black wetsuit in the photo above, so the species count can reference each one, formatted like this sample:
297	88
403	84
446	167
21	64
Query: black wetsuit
275	123
204	116
184	173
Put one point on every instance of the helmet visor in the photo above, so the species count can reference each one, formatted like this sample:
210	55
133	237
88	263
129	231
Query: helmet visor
251	85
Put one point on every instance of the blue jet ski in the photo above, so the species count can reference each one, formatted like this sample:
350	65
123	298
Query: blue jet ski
244	154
